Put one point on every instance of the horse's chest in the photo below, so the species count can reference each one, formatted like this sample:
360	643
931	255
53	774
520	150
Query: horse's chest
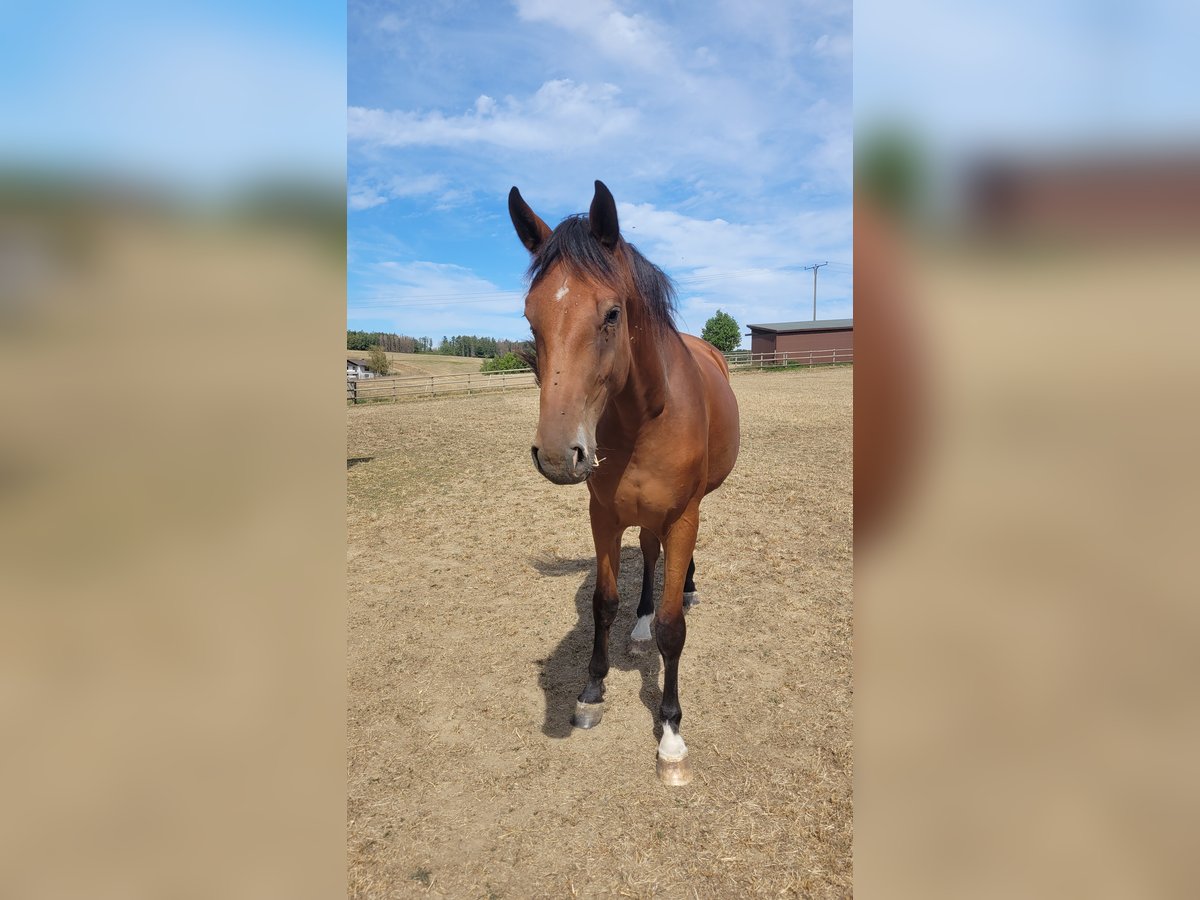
628	500
639	497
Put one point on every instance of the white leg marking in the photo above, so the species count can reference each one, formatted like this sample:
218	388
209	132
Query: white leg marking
671	747
641	631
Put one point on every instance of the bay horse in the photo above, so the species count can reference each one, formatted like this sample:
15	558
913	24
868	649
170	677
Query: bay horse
642	413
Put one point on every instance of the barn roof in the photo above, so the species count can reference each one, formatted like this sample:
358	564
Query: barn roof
819	325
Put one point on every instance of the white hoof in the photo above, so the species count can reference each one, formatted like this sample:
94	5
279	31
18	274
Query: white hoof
642	648
674	773
641	631
673	767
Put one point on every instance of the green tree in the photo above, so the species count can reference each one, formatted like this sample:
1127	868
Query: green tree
377	360
502	363
722	332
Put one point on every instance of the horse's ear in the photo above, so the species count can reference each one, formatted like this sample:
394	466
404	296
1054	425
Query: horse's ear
602	217
530	229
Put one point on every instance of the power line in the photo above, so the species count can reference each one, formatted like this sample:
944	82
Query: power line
473	297
814	271
402	303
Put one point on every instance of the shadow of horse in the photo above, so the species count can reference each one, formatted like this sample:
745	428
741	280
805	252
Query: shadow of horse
563	673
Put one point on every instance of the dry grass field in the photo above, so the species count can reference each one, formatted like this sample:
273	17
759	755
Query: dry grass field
426	363
470	581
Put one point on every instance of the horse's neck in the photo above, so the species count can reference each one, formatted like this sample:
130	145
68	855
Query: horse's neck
648	384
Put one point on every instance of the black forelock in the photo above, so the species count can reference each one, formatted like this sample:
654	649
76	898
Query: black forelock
573	245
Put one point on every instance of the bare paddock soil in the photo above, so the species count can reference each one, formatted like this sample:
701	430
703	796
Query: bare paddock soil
425	363
470	627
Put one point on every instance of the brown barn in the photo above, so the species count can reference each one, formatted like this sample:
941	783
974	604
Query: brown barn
803	337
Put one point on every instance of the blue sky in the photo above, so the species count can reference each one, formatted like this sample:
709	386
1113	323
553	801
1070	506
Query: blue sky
722	129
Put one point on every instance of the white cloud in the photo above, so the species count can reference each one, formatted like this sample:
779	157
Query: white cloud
364	198
704	58
376	188
634	40
560	115
428	281
749	270
422	297
681	242
831	46
391	23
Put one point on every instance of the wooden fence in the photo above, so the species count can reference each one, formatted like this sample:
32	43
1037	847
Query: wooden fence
743	360
413	387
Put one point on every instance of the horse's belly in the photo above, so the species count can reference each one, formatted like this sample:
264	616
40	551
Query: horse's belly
724	432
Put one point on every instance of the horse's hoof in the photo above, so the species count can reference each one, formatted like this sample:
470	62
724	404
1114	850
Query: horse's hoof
690	599
674	772
587	715
641	648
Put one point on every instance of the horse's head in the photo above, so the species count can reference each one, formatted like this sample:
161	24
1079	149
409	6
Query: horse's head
578	311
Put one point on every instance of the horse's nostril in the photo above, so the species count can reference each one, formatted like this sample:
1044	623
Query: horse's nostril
577	460
533	451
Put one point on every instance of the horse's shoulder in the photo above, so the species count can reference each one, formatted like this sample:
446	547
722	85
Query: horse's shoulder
702	350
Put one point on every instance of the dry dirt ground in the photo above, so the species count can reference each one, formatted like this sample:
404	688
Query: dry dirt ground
470	582
426	363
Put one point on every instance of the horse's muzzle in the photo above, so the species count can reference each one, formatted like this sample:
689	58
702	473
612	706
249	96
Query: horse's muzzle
571	467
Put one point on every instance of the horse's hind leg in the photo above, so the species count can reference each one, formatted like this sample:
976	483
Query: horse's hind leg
671	630
607	538
690	597
639	641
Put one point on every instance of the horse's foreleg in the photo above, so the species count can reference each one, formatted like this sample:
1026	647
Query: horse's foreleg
671	631
690	597
639	641
607	538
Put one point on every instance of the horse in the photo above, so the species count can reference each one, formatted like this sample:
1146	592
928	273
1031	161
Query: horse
640	411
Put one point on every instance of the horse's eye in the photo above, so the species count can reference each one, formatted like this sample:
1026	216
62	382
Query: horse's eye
613	315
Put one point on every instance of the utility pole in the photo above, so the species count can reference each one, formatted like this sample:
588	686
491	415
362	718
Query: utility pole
814	270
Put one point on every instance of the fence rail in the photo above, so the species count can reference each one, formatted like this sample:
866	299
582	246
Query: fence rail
780	359
412	387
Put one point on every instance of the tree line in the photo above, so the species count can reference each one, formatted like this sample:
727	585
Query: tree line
393	343
479	347
470	345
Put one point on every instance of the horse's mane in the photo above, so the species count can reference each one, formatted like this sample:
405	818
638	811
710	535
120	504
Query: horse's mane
573	245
